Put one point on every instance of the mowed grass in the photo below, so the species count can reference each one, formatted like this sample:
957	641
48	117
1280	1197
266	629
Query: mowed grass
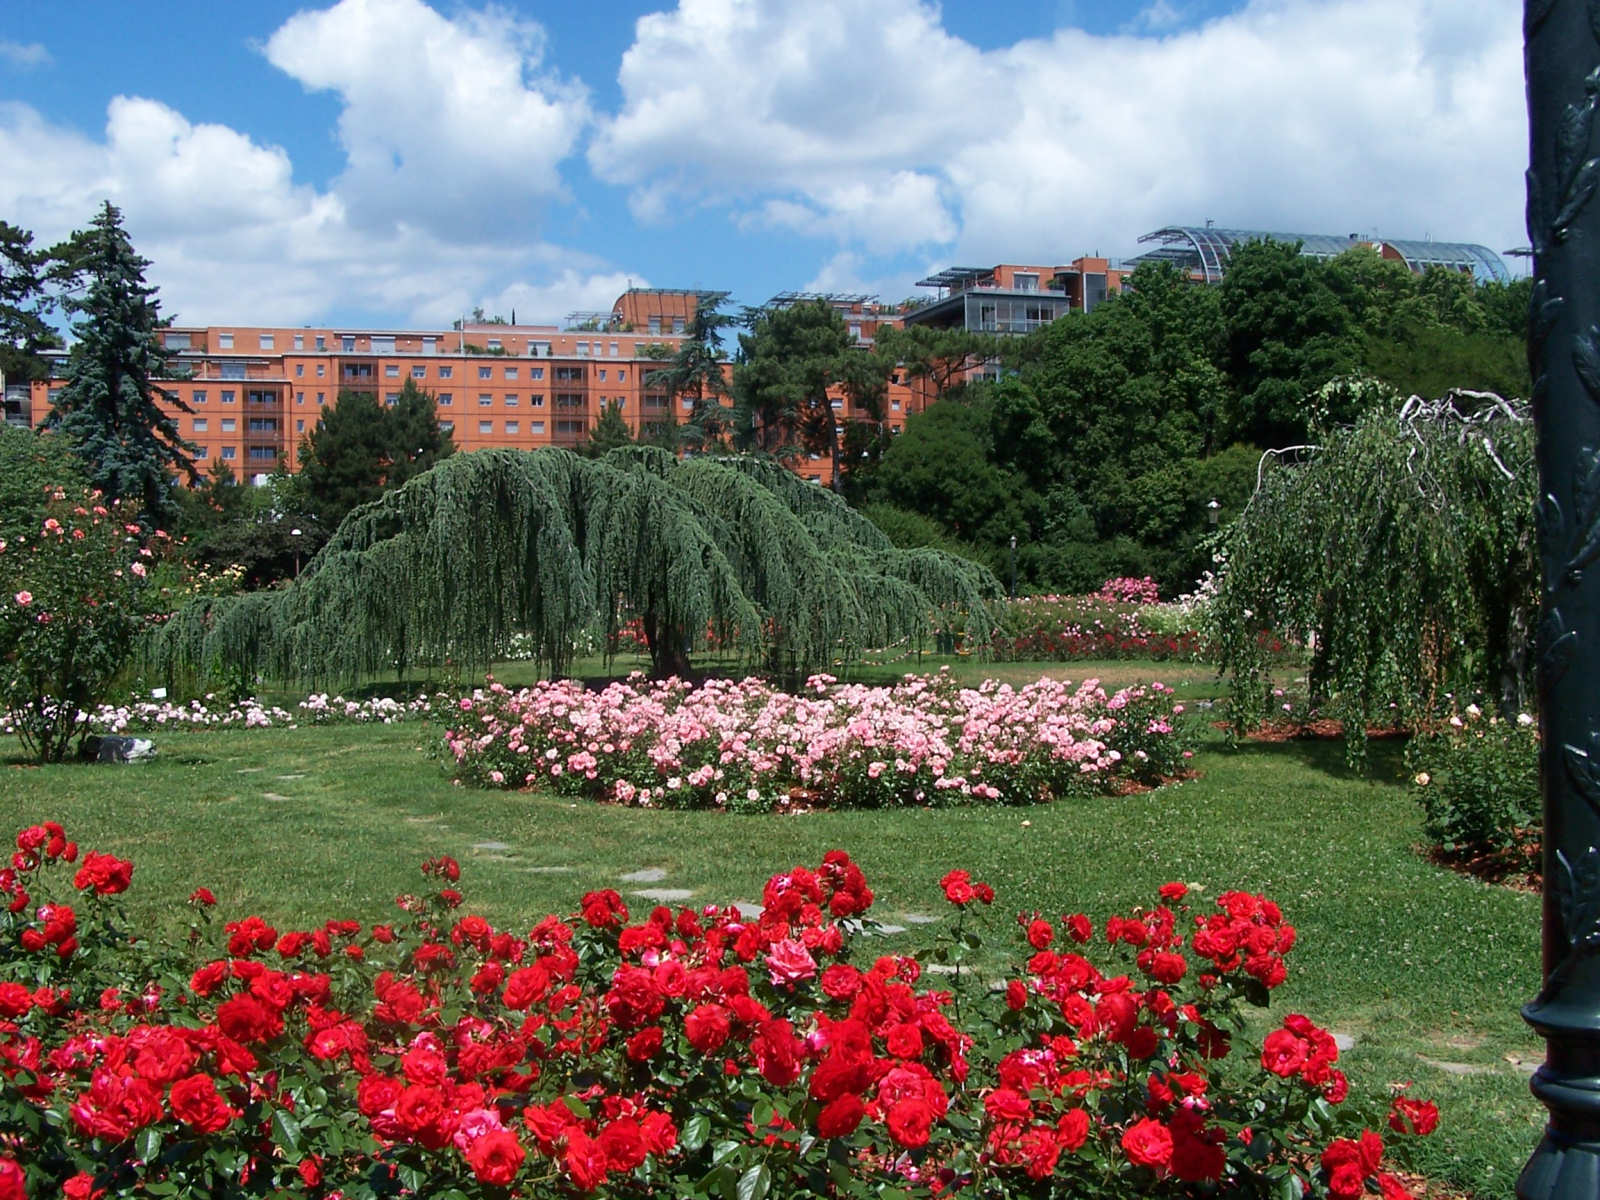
1426	969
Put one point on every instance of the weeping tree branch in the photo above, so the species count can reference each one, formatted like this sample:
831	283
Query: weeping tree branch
545	543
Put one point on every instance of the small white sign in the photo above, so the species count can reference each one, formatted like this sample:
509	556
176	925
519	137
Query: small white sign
158	693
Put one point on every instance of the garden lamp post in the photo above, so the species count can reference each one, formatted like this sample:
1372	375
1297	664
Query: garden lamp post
1013	566
1561	57
1213	512
295	534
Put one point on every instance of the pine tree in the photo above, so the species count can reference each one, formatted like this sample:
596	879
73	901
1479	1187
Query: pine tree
416	442
344	458
23	303
696	373
130	448
610	431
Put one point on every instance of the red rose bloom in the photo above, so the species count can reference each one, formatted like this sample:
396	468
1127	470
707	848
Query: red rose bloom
495	1157
840	1116
195	1102
1420	1117
11	1181
910	1122
1148	1143
1079	928
1040	934
1072	1130
708	1027
246	1019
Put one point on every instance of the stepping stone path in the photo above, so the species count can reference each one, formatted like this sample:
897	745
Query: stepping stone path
291	776
918	919
885	930
272	796
251	770
1345	1041
490	846
663	895
648	875
546	870
424	820
1457	1068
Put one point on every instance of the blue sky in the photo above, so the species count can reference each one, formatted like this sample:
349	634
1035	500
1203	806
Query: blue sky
391	162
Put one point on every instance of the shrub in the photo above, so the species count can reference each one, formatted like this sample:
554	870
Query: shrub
750	746
73	596
1072	628
1477	779
703	1053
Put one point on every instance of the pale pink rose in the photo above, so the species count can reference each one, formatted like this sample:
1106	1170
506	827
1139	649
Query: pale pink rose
789	963
23	598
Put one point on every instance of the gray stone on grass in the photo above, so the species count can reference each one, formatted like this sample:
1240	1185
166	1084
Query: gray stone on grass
1457	1068
490	846
664	895
918	918
546	870
272	796
1345	1041
648	875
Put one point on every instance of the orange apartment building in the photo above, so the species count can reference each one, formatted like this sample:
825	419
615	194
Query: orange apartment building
254	392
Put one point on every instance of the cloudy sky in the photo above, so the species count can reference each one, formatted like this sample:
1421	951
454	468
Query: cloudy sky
395	162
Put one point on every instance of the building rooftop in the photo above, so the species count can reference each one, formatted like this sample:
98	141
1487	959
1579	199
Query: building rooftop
1206	249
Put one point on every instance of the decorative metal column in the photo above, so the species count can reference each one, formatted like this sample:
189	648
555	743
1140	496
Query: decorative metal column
1562	55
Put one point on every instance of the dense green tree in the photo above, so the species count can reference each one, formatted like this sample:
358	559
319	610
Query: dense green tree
941	356
1287	333
359	448
109	407
610	431
25	301
695	372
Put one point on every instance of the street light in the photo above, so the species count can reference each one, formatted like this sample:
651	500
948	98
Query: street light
295	534
1213	512
1013	566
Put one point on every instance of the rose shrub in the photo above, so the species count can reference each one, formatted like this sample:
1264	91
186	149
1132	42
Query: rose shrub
699	1053
73	596
747	745
1477	779
1101	626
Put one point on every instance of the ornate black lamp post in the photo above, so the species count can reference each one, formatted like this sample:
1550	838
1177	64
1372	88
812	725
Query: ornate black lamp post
1563	74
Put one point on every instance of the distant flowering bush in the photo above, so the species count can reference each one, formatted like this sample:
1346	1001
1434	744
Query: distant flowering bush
1476	776
703	1053
216	712
748	746
1127	590
1069	628
73	596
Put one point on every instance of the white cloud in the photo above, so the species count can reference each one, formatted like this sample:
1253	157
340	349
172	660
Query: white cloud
444	122
452	137
864	121
24	55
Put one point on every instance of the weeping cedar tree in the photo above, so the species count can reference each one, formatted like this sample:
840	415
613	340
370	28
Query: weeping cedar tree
1405	544
545	542
130	448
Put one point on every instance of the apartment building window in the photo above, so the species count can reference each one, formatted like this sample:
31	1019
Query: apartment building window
535	372
581	349
419	372
322	370
677	324
535	401
602	374
299	341
322	398
511	400
391	398
446	372
265	340
622	375
231	370
446	399
262	453
347	344
655	324
855	331
447	426
539	349
229	452
229	424
300	425
494	344
322	342
226	395
383	345
567	374
299	368
612	350
175	341
485	399
570	427
430	345
198	396
1025	282
485	372
391	370
202	452
513	427
536	427
687	405
263	425
224	341
570	400
895	404
200	424
511	372
485	426
299	397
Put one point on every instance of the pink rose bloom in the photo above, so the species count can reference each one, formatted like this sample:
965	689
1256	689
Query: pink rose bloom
24	598
138	569
789	963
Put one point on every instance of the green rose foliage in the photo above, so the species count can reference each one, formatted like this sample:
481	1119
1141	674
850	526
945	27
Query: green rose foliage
1477	779
73	596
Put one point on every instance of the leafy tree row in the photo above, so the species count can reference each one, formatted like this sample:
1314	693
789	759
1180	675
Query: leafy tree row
1112	432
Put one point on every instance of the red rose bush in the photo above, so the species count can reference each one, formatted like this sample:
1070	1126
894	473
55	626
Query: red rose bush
705	1052
748	746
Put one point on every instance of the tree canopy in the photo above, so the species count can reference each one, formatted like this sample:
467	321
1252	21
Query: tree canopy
1403	549
130	447
547	543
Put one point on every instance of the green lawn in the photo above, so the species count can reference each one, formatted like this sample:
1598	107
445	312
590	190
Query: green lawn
1423	967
